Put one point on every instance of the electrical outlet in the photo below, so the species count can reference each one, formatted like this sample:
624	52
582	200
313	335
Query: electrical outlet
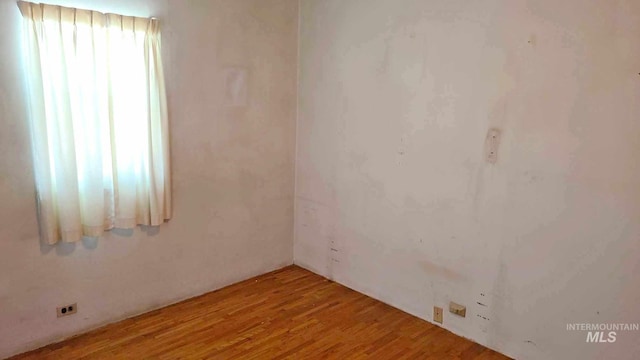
67	310
457	309
437	314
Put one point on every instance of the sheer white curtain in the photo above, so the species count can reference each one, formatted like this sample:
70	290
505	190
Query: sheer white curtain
99	121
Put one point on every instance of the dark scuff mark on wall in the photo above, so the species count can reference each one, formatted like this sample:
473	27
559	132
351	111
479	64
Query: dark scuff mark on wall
531	342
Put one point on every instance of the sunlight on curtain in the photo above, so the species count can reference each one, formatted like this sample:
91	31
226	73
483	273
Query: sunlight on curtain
99	121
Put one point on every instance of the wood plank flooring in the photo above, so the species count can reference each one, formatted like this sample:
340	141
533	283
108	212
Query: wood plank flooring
288	314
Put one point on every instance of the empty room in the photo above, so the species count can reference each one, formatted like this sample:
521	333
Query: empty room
320	179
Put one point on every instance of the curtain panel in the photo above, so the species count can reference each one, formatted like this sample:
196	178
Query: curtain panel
99	123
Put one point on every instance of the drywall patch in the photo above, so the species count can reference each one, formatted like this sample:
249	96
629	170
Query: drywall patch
384	63
235	87
440	271
492	144
3	102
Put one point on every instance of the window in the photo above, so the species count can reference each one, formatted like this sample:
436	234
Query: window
99	121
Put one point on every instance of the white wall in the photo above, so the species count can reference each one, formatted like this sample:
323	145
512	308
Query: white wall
233	176
394	198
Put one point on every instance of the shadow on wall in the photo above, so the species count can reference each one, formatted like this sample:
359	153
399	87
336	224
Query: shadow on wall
91	243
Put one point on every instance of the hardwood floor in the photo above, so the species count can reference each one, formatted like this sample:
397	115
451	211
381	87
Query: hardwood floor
288	314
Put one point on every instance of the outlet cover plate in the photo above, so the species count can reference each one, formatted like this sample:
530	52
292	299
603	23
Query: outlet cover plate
67	310
437	314
457	309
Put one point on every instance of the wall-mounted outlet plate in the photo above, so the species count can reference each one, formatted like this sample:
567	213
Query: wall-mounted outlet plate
67	310
437	314
457	309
